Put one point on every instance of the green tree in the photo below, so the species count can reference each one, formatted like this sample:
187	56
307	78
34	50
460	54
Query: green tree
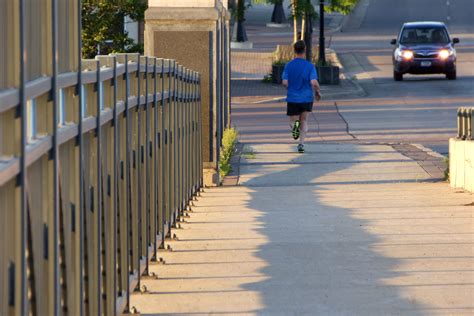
302	10
278	14
341	6
238	13
102	26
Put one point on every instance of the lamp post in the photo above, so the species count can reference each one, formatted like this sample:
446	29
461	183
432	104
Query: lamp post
322	55
308	32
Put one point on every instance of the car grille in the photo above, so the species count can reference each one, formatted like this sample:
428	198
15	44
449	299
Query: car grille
427	55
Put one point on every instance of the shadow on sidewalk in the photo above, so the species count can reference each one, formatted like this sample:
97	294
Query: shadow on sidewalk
320	258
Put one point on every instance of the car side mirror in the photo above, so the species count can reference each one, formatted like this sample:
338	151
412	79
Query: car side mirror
455	40
393	41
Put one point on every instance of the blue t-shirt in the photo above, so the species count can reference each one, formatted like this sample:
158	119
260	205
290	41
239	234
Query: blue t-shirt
299	73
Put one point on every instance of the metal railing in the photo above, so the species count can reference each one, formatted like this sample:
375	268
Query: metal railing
466	123
105	158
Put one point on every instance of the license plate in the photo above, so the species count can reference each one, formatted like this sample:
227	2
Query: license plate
425	64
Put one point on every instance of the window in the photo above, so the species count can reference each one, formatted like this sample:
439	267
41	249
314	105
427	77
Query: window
422	35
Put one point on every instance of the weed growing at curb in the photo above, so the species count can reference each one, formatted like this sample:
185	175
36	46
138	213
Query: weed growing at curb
267	78
229	139
248	153
446	171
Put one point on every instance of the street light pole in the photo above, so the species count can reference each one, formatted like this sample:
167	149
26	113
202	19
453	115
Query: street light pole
322	55
308	32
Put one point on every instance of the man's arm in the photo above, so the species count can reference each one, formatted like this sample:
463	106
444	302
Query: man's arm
285	83
316	88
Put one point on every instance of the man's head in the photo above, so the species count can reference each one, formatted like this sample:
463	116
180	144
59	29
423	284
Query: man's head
300	48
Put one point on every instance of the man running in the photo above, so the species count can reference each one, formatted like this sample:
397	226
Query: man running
300	78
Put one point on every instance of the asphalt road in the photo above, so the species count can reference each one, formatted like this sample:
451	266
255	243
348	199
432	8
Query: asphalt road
421	109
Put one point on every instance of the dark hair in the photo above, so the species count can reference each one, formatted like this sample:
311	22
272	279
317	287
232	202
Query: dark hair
299	47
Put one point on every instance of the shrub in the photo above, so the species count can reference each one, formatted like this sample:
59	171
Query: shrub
229	140
285	53
446	171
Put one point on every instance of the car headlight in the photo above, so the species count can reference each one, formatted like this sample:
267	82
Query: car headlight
404	54
445	53
407	54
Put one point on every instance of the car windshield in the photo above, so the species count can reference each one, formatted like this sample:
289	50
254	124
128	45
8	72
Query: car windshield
424	35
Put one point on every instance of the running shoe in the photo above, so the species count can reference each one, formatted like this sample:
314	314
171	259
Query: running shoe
300	148
295	131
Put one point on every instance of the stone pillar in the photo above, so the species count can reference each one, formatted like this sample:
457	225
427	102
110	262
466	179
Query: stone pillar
196	34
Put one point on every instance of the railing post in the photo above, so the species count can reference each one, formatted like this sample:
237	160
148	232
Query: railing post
99	188
156	151
169	164
147	168
80	139
24	310
460	123
465	123
162	141
470	114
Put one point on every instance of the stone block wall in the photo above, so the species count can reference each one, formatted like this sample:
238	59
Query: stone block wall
196	34
461	164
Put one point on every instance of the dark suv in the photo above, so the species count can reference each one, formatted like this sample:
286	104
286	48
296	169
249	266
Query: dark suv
424	48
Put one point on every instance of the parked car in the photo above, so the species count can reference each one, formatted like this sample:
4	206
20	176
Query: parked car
424	48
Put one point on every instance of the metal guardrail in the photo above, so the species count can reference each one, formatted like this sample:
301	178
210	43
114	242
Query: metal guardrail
106	159
466	123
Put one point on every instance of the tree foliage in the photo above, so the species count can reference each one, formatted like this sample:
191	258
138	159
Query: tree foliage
102	24
238	10
341	6
302	8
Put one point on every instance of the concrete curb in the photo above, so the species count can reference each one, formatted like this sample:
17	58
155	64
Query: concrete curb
429	151
241	45
276	25
358	13
338	28
431	162
333	55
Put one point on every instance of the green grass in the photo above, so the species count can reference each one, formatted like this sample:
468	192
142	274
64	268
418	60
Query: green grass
248	153
229	140
446	171
267	78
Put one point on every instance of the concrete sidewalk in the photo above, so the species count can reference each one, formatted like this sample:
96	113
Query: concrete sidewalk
348	228
344	229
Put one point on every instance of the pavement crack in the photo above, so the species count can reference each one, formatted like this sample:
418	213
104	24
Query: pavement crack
345	121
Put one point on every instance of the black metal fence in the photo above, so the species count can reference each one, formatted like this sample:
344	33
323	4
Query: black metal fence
107	159
466	123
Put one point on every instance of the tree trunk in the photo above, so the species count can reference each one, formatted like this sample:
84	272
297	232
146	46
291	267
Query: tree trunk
295	22
278	15
241	33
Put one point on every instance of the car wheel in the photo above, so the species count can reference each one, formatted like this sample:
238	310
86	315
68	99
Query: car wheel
451	75
397	76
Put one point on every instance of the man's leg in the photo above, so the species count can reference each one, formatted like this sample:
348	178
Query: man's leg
295	130
293	119
304	126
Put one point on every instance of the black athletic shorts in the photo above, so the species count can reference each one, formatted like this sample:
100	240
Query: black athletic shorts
298	108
